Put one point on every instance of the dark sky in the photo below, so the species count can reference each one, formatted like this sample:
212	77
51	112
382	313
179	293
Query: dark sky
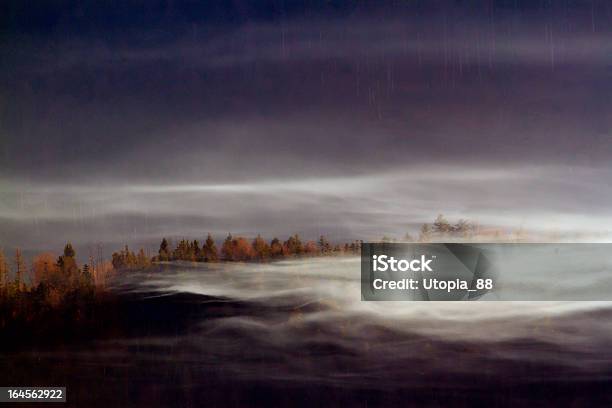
125	121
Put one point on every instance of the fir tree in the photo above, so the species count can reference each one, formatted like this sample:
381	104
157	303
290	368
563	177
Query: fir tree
294	245
276	248
195	252
20	270
324	245
227	250
67	265
4	271
261	248
164	254
210	250
69	251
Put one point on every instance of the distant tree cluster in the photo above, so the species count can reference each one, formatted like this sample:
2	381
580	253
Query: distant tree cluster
189	251
54	299
240	249
128	260
442	228
49	277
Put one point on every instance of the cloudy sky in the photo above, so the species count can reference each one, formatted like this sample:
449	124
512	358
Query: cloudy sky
355	119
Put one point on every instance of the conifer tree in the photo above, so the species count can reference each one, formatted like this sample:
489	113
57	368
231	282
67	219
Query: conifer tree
276	248
69	251
86	276
324	245
20	270
4	270
210	250
261	248
294	245
67	265
195	252
227	250
164	253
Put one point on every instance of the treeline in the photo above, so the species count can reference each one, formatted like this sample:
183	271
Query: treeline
50	279
128	260
54	301
233	249
441	228
236	248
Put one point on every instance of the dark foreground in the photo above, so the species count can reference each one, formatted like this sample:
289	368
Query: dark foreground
140	348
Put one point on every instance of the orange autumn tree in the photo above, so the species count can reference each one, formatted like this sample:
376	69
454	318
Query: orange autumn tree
261	248
209	250
242	249
20	271
311	248
4	271
237	249
45	269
